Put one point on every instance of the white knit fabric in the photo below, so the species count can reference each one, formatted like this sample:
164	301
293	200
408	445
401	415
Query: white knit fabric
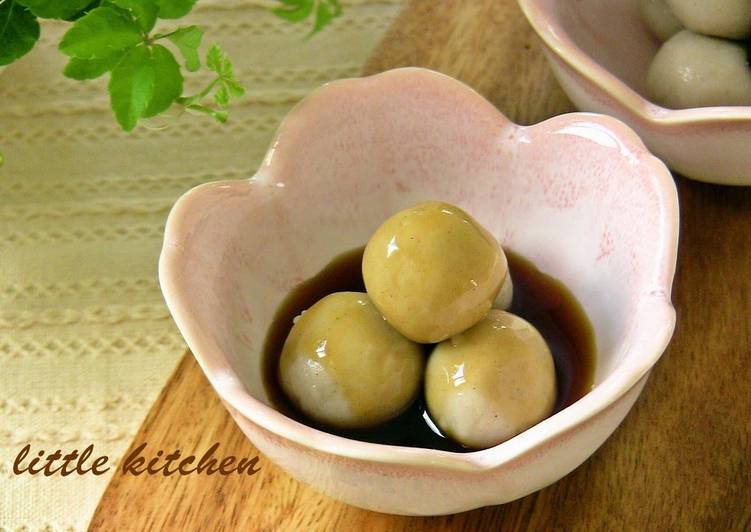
86	342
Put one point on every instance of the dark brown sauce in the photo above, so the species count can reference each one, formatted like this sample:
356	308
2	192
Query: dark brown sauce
540	299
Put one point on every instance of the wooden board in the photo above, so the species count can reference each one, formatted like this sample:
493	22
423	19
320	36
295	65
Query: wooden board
680	461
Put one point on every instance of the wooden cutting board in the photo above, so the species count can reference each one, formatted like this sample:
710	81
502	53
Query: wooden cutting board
682	458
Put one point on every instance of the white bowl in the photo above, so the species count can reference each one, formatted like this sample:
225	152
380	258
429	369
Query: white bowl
600	51
578	194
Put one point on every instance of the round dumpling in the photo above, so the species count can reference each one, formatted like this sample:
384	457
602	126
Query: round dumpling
491	382
722	18
659	19
344	366
433	271
692	70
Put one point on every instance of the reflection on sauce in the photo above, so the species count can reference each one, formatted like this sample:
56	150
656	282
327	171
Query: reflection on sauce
538	298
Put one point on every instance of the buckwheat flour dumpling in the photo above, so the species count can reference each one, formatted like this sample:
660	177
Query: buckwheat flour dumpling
492	382
344	366
433	271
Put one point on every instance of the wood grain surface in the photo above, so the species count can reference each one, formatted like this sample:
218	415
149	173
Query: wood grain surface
680	461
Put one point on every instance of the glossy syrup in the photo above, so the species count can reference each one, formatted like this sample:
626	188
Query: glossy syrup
540	299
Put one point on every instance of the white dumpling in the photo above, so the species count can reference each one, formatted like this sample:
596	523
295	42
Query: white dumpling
692	70
721	18
659	18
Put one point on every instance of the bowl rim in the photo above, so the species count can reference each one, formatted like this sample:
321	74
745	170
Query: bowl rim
646	340
556	39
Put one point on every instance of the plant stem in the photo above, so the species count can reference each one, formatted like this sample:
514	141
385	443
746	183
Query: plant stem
187	100
163	35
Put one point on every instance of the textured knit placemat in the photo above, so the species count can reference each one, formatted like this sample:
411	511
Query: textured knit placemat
86	341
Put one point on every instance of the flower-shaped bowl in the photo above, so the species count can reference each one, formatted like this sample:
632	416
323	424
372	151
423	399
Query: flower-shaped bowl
600	51
579	195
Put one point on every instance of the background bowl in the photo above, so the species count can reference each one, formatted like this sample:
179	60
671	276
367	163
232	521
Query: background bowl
600	51
578	194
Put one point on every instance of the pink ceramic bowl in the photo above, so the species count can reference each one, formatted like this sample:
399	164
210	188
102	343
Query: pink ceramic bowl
600	51
578	194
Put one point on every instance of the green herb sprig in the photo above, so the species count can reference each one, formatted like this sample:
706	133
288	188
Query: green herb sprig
117	37
145	77
324	12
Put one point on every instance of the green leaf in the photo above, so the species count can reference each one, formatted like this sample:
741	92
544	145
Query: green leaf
219	116
144	11
234	87
295	11
188	40
61	9
221	96
19	31
81	69
168	81
174	8
218	61
224	86
131	86
299	10
326	12
99	34
75	16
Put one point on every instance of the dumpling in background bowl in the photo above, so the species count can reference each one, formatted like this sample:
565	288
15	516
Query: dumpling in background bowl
730	19
601	51
694	70
659	18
